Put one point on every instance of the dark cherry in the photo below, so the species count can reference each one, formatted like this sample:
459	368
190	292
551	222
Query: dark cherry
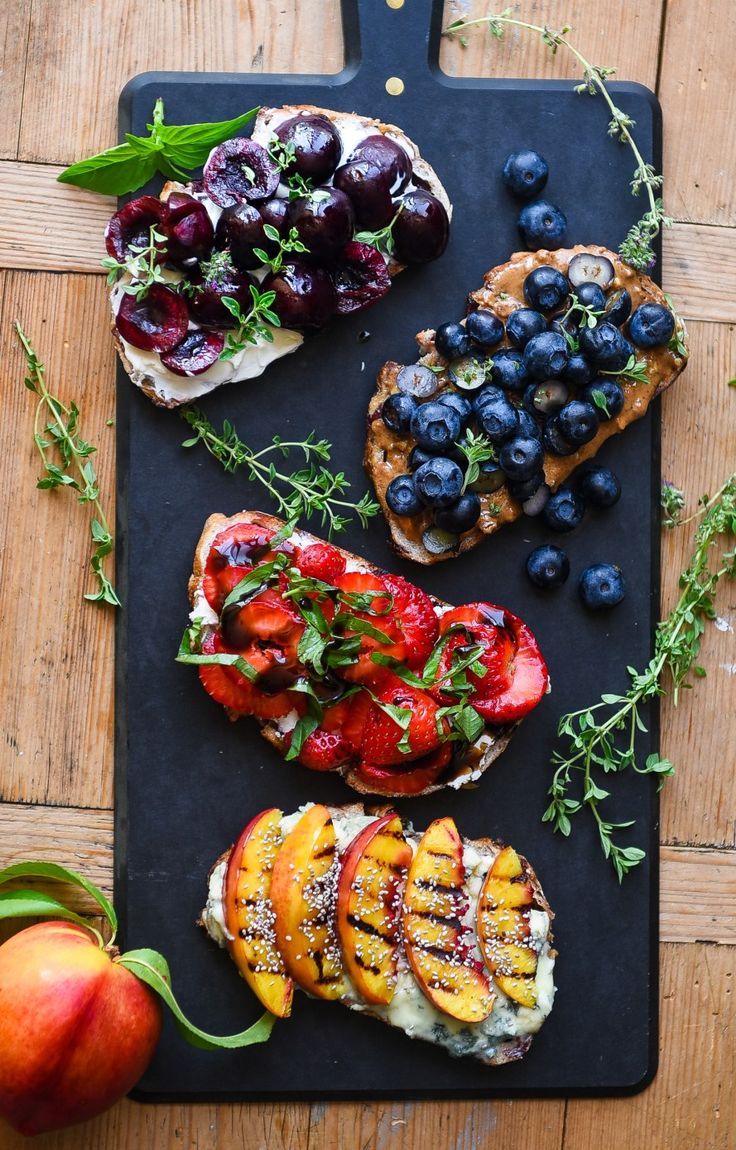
239	230
422	228
317	147
369	190
387	156
189	230
240	170
130	227
274	212
216	278
305	294
158	322
324	221
361	277
196	352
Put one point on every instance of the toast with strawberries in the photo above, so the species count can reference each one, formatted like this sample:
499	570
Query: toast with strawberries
349	668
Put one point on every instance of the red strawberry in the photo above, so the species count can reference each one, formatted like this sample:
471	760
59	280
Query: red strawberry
382	734
416	619
364	670
266	618
233	554
497	658
412	780
528	684
320	561
227	686
353	724
324	750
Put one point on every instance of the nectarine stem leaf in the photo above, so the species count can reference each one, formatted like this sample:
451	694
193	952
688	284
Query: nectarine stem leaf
153	969
35	904
38	869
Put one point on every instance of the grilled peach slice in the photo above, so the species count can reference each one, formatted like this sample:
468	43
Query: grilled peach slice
303	893
503	928
368	906
248	914
438	945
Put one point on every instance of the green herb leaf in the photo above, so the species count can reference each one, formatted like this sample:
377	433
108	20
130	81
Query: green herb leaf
48	870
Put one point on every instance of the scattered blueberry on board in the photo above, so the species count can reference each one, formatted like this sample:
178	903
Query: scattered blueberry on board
601	586
548	566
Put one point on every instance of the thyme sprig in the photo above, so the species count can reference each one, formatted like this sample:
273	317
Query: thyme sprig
60	434
383	239
477	449
283	155
142	264
253	324
637	248
634	368
310	491
603	737
292	243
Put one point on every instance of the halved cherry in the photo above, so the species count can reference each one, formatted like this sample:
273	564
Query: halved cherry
240	170
409	780
131	227
218	277
157	322
189	230
361	277
305	294
195	354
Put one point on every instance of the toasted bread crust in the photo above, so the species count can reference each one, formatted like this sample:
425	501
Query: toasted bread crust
386	454
478	757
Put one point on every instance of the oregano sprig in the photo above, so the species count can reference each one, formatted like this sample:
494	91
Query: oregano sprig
67	462
637	249
313	490
603	737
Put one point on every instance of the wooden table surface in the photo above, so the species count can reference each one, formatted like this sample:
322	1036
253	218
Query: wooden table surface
63	65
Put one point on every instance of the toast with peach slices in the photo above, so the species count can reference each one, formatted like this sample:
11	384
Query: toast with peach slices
349	668
447	939
605	381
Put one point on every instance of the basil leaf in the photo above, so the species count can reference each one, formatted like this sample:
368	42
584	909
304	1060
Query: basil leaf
190	144
469	723
152	968
112	173
301	733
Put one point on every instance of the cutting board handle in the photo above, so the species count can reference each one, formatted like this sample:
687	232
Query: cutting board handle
389	40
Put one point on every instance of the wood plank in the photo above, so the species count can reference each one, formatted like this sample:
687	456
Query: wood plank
15	21
700	156
57	677
631	45
699	803
697	895
691	1104
45	225
81	54
699	262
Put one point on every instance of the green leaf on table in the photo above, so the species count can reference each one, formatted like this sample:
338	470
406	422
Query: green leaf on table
37	869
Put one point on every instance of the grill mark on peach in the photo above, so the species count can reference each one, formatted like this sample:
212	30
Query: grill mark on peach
438	887
376	970
326	852
431	853
449	920
368	928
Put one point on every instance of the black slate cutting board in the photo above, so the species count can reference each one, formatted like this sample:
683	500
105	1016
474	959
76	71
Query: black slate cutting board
187	780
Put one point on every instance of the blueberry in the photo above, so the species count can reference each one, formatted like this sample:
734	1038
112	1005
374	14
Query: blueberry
508	370
401	496
525	173
590	295
523	489
459	516
469	372
498	419
418	456
548	566
486	395
397	411
545	288
452	340
618	307
435	426
484	327
546	356
524	323
600	487
578	371
521	457
553	439
605	346
578	422
606	395
528	425
546	398
490	478
564	510
601	586
541	225
458	403
588	267
566	326
417	380
651	325
438	482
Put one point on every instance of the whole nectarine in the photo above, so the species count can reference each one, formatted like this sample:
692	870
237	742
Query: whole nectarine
77	1030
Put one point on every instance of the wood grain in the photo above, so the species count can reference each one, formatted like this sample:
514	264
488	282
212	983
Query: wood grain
56	679
15	20
691	253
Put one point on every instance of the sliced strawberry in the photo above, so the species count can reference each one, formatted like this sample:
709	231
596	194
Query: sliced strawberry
325	750
233	554
266	618
382	734
320	561
353	725
412	780
227	686
220	687
415	617
364	670
529	680
497	658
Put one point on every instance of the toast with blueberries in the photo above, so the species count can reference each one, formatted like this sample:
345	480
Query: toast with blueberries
558	351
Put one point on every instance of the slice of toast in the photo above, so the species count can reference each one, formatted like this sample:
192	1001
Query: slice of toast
465	768
387	453
507	1033
164	387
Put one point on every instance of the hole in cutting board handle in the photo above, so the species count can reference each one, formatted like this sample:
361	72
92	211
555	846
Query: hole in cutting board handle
386	39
